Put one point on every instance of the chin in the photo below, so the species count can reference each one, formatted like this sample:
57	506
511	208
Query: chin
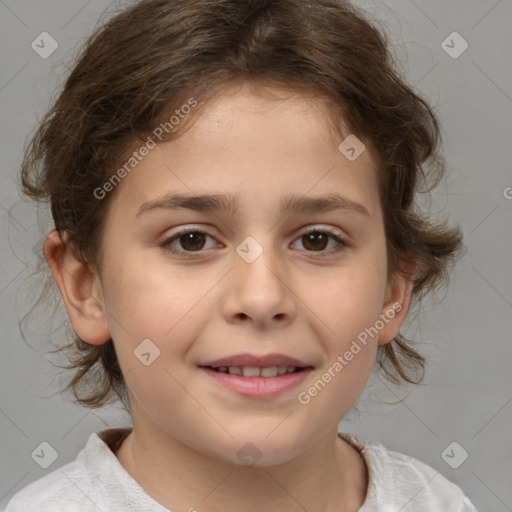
257	450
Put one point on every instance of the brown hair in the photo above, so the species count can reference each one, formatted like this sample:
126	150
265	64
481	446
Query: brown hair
149	59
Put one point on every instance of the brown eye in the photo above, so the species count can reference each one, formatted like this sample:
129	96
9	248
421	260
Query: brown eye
187	242
193	241
315	241
318	241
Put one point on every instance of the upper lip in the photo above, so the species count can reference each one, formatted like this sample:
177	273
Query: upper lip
263	361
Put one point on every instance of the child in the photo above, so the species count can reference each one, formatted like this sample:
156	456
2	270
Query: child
236	243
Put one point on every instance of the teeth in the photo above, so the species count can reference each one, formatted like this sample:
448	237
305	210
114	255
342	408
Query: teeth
252	371
269	372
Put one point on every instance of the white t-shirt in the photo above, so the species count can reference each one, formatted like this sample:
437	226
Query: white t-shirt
96	481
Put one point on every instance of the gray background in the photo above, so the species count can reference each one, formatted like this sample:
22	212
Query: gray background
467	395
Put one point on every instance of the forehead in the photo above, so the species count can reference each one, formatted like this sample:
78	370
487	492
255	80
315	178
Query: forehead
255	143
251	116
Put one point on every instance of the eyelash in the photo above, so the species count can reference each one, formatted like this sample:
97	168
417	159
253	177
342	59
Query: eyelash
190	254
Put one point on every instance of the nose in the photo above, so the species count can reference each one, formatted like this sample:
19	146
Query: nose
260	292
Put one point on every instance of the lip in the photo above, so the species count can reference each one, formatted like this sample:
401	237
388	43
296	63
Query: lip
258	387
259	361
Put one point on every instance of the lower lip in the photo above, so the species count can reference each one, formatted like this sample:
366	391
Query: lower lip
258	387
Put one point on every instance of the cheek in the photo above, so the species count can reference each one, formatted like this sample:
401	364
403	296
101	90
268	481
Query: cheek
350	345
162	305
155	314
353	301
350	309
149	297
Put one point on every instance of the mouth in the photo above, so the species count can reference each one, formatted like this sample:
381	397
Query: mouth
256	376
266	372
251	365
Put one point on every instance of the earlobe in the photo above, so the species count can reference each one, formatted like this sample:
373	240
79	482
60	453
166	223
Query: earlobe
397	301
80	287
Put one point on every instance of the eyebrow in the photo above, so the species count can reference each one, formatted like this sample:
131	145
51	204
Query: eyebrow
229	203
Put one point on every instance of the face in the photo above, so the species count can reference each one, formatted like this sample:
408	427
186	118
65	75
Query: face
187	286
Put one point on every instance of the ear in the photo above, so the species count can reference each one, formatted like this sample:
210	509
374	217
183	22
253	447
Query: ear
80	287
396	302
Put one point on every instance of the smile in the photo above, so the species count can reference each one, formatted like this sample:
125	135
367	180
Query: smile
255	382
254	371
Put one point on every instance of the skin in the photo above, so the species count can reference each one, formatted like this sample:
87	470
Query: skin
291	300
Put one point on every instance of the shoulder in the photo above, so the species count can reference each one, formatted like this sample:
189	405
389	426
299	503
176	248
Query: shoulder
74	487
56	491
398	480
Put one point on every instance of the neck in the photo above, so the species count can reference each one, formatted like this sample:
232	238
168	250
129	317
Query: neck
331	476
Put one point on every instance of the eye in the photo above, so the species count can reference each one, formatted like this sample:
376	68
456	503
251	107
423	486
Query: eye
191	240
316	240
194	241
